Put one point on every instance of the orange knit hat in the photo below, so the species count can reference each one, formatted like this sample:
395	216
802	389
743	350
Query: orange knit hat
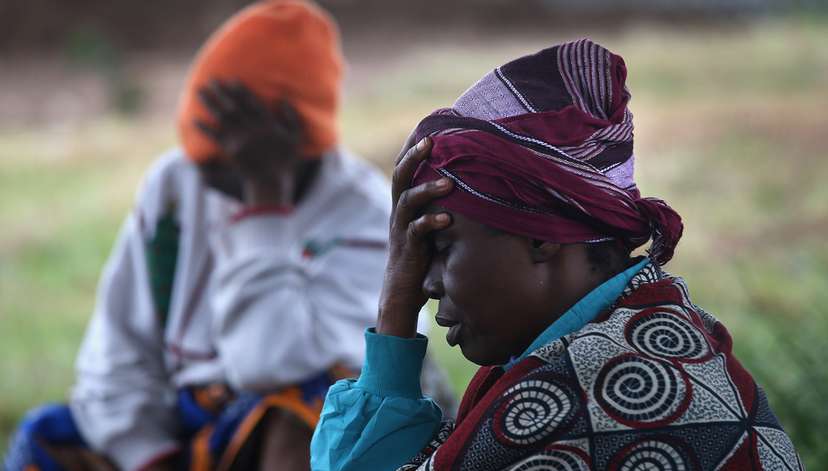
278	49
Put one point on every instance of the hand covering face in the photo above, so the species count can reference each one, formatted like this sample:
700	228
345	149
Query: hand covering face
276	49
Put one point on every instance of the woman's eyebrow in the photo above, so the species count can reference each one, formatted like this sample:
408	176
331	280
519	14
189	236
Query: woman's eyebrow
438	234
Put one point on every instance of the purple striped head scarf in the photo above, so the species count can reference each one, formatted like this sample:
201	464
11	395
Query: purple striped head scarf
543	147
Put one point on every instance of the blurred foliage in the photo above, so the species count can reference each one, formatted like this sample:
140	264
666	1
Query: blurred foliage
788	295
729	131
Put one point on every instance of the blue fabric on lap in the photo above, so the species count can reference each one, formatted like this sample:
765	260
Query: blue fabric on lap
192	416
228	420
52	423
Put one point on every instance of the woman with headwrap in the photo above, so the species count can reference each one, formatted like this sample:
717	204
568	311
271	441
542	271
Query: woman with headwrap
518	211
240	285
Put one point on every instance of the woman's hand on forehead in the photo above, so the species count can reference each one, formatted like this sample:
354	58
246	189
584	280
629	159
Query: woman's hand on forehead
263	144
408	250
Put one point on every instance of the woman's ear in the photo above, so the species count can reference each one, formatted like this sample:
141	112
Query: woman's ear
542	251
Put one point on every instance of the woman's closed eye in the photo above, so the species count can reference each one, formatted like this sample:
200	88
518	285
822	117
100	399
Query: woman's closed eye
439	245
441	248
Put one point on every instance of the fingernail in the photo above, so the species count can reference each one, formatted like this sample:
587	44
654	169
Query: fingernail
441	217
421	145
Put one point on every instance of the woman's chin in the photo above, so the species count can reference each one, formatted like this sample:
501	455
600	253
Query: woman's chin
482	358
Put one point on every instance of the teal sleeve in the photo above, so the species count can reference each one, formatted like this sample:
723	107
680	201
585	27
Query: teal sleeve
382	420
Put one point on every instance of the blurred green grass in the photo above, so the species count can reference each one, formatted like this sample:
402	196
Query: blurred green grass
729	131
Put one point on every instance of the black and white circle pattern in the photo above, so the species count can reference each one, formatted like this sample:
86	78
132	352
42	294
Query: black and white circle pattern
636	390
664	334
552	460
651	455
531	411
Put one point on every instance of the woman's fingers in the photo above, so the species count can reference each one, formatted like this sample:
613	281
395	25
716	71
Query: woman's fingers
409	143
224	103
234	107
410	203
418	228
289	122
406	168
222	99
208	131
210	102
247	102
288	113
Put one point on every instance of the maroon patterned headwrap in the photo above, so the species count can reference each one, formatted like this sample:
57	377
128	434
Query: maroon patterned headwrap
543	147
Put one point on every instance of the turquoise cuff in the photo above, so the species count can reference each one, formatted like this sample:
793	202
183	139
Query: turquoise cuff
392	365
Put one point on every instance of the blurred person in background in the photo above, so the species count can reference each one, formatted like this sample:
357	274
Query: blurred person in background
518	211
241	283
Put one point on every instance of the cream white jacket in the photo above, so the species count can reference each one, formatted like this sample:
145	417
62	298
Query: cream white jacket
258	300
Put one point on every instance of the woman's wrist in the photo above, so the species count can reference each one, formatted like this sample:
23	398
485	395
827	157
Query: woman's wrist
397	320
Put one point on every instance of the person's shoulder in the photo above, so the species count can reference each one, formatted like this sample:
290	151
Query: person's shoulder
171	179
170	173
172	163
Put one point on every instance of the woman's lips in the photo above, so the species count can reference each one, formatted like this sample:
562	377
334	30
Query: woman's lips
452	334
454	328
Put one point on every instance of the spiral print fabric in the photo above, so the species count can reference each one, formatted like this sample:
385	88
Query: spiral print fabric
642	392
530	410
650	385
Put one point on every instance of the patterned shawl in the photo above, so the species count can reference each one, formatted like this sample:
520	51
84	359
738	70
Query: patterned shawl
543	147
651	384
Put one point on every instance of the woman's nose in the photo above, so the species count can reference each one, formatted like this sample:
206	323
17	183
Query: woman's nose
433	281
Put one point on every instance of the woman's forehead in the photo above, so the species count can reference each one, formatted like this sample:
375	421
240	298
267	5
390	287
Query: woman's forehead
464	227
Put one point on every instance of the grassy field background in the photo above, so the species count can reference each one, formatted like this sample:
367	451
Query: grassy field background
730	130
